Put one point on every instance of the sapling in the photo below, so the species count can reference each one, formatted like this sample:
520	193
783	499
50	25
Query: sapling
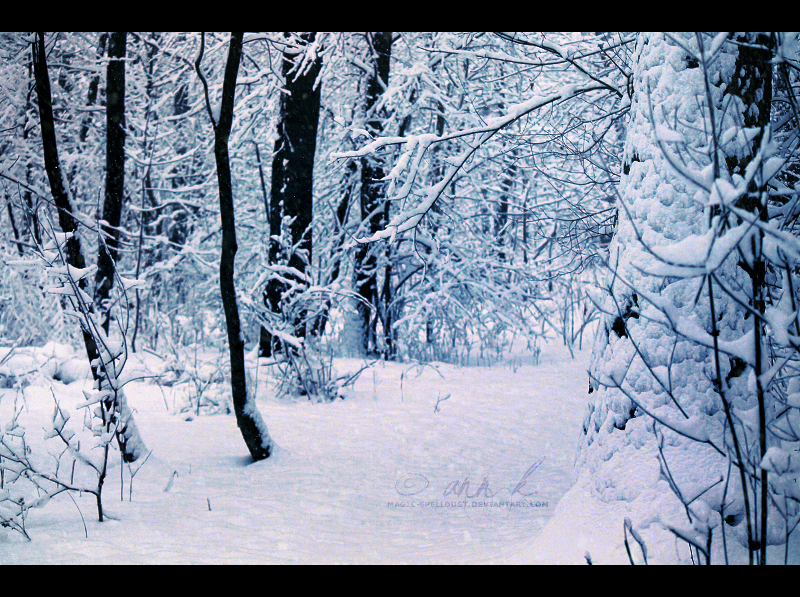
35	472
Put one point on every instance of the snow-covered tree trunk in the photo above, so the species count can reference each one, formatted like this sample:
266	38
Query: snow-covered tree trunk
678	359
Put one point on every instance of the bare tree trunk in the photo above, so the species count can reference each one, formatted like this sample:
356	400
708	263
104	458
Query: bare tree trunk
372	211
292	182
130	443
115	175
14	226
253	430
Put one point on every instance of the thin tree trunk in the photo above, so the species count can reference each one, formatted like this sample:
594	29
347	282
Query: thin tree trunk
144	218
253	430
130	443
752	82
14	226
263	182
50	149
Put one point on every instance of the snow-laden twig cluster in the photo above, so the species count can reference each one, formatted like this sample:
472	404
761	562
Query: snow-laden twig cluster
66	458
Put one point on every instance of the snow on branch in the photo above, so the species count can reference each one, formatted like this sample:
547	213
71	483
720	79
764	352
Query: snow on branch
409	218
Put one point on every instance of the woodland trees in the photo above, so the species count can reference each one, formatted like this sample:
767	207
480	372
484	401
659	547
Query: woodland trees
460	192
695	353
116	412
165	234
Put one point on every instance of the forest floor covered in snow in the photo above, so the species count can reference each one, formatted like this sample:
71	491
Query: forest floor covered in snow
418	464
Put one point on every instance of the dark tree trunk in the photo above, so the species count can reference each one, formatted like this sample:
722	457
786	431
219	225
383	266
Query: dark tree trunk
438	174
115	175
374	212
247	417
14	225
180	226
50	149
130	444
506	186
91	98
291	193
263	182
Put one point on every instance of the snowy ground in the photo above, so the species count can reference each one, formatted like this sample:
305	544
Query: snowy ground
376	478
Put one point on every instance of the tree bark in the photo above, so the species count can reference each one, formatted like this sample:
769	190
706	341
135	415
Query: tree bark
291	192
115	175
253	430
373	211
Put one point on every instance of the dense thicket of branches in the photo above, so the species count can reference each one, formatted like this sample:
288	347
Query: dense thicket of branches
485	264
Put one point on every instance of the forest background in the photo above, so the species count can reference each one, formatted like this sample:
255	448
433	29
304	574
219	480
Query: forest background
423	197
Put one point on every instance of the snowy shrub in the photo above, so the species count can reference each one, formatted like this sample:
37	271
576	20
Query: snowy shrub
307	371
33	470
29	316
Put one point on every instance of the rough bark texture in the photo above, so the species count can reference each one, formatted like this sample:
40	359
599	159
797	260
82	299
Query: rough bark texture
292	183
247	418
